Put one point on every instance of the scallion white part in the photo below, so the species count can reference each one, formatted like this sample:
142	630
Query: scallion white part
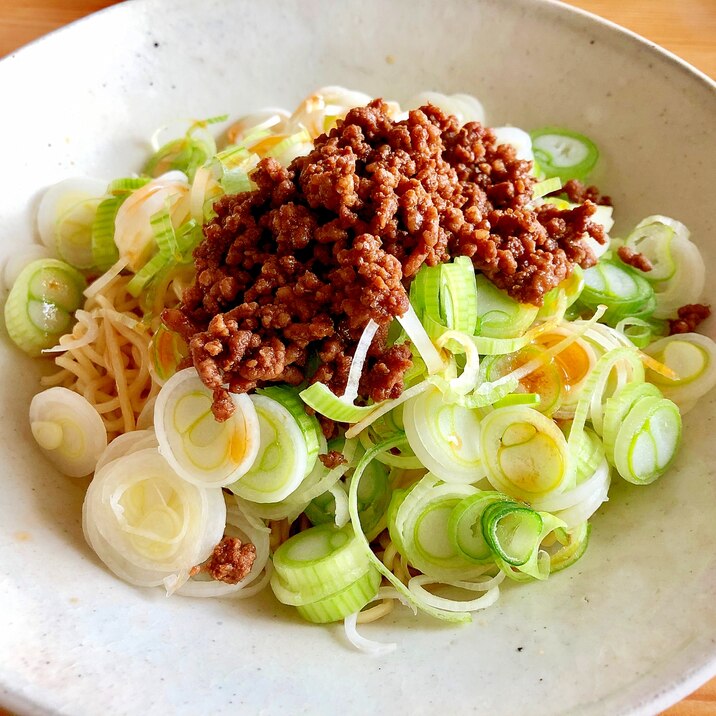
491	588
65	216
359	356
519	140
524	452
126	444
201	449
281	462
692	357
68	429
420	339
445	437
147	524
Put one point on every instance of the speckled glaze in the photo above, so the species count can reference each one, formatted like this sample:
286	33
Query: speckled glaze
629	630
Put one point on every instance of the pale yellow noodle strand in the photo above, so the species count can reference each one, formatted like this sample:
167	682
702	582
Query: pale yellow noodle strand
119	377
377	612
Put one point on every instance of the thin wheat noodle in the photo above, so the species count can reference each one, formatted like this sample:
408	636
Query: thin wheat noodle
119	376
377	612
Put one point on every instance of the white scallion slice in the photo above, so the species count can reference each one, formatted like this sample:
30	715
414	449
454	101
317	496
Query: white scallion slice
692	357
69	430
149	525
282	460
65	217
687	282
126	444
653	238
524	452
445	437
648	440
574	546
201	449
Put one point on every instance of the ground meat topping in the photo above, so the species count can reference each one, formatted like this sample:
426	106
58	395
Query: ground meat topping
634	259
577	192
299	266
688	318
230	561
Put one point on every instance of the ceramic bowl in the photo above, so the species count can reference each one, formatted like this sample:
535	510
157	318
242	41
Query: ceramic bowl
629	629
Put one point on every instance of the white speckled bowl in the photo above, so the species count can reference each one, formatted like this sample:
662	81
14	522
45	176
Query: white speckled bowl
629	630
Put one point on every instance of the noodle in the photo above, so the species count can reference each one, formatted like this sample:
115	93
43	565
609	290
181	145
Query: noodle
113	371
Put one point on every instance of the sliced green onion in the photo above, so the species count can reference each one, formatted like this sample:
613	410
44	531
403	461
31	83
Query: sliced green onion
692	358
511	531
147	273
421	341
624	291
126	185
41	304
420	525
186	153
545	381
68	429
618	406
166	350
498	314
202	450
458	294
282	460
308	424
574	546
320	397
524	452
445	437
648	440
324	572
653	239
562	296
411	598
65	217
465	526
563	153
639	331
104	250
164	233
545	187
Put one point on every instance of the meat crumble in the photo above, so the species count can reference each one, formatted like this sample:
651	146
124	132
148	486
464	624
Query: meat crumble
288	275
230	561
634	259
689	318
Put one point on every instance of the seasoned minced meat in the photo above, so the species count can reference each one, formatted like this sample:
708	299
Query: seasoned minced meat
634	259
230	561
577	192
688	318
297	268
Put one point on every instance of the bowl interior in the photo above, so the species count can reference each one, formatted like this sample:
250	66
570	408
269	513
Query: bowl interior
629	629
